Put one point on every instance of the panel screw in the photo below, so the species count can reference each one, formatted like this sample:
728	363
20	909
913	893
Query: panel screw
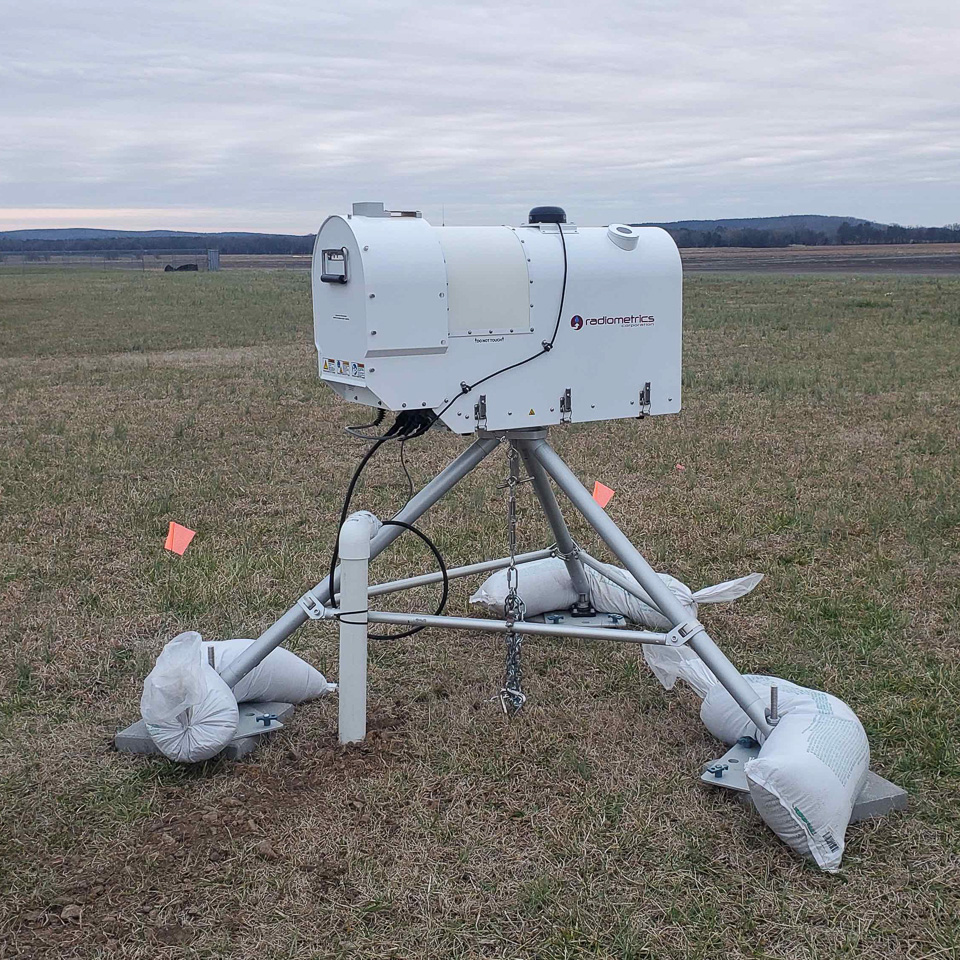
441	295
366	248
372	295
373	333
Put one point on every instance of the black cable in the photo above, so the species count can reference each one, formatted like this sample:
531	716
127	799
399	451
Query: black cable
403	464
409	424
344	513
441	606
545	347
355	429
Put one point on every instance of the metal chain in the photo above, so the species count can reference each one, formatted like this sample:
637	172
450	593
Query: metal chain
512	697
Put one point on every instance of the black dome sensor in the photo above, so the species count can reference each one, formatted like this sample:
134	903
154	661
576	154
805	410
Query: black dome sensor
547	215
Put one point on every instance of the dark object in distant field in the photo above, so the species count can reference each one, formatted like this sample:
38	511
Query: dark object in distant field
184	267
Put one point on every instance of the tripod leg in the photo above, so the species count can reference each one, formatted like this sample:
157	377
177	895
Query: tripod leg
631	558
415	508
551	509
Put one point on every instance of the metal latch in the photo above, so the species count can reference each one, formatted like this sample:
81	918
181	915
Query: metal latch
644	400
480	411
566	406
683	632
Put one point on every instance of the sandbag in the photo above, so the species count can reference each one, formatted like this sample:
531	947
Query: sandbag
281	675
610	597
725	719
810	769
190	713
545	585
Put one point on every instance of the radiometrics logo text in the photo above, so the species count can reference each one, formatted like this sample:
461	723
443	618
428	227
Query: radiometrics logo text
634	320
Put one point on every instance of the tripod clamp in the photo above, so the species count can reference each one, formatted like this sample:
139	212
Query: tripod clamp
683	632
312	607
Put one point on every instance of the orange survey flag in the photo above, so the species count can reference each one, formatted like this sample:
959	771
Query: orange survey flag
602	494
178	538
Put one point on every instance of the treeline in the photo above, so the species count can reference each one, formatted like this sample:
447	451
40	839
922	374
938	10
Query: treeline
847	233
252	243
715	236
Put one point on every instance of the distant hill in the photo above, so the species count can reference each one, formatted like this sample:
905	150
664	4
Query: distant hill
90	239
826	225
90	233
803	229
788	224
810	230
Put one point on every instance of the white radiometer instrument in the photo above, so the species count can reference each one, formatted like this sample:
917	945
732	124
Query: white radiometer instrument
408	316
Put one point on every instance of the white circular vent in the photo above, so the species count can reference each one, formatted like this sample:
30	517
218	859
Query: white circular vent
622	235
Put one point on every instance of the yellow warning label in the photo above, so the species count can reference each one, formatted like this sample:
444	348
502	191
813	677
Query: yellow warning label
532	413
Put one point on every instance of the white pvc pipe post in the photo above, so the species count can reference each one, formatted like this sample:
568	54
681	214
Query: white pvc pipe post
354	563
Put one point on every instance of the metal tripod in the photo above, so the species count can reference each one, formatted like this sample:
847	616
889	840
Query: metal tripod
543	464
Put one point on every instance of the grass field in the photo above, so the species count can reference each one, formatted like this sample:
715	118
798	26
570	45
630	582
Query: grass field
821	447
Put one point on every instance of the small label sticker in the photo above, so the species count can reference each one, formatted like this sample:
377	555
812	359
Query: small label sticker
345	368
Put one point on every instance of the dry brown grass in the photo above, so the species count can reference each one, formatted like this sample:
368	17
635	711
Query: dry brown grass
820	445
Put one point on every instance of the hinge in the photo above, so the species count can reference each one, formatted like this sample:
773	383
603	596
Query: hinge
644	401
566	406
480	411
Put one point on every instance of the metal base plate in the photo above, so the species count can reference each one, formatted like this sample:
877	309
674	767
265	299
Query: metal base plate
877	798
568	619
250	731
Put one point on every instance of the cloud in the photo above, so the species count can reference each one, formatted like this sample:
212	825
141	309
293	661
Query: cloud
269	116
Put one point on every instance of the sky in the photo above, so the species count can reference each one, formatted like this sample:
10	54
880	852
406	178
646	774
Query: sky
211	115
